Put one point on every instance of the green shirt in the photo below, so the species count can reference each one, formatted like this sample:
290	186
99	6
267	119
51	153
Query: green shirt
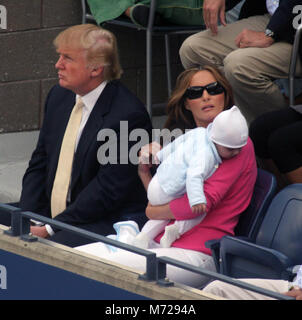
184	12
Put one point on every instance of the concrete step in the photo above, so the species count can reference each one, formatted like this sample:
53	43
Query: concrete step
15	151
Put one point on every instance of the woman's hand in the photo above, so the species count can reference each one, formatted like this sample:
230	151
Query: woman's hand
147	154
147	158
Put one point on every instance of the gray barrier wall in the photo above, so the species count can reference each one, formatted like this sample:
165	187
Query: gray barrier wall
27	59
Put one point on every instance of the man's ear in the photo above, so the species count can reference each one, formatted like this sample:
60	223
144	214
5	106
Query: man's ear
97	71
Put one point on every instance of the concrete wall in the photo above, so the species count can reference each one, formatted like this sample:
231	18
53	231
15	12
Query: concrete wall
27	59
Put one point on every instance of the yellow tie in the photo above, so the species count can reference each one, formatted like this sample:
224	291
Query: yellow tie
63	173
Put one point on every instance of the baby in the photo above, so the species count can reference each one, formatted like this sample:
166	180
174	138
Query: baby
184	166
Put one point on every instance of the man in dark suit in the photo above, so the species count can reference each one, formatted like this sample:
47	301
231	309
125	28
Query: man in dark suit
96	195
252	51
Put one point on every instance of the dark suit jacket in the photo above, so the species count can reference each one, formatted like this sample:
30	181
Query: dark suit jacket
97	191
281	21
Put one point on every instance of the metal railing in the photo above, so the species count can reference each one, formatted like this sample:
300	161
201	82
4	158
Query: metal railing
155	266
20	226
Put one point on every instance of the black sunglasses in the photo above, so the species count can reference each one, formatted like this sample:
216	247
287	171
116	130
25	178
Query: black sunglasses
196	92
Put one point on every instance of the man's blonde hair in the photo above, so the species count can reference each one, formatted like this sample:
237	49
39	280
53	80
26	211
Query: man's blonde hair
99	44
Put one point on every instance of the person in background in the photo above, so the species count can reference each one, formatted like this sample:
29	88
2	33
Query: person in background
183	12
278	143
228	291
252	52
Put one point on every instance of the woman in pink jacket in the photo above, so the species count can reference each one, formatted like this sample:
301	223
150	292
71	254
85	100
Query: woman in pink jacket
228	191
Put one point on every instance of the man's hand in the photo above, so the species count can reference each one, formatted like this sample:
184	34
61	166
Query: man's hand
212	9
248	38
295	293
199	208
39	231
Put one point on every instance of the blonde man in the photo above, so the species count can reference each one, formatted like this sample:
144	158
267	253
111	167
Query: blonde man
96	195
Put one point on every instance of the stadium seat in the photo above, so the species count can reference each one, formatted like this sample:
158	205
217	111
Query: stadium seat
151	30
277	247
250	220
272	249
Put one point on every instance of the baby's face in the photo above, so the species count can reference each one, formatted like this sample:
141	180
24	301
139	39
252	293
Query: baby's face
227	153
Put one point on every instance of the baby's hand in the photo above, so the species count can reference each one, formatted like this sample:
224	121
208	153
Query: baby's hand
199	208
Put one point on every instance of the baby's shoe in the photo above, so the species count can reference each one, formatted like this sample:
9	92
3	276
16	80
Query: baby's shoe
126	231
141	241
171	234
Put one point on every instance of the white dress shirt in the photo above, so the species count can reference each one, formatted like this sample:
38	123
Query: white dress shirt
271	6
89	101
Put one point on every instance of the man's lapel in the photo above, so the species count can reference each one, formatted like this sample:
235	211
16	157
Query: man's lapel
93	126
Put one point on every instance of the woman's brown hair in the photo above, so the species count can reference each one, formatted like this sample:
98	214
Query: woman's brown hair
178	115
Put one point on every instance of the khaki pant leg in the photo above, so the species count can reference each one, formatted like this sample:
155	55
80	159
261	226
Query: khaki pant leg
228	291
205	48
251	71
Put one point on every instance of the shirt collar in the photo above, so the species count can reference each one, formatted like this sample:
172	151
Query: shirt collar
272	6
91	97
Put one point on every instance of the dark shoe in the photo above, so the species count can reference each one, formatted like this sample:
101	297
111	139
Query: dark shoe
139	15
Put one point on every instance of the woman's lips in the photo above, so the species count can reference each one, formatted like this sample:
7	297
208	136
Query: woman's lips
207	108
